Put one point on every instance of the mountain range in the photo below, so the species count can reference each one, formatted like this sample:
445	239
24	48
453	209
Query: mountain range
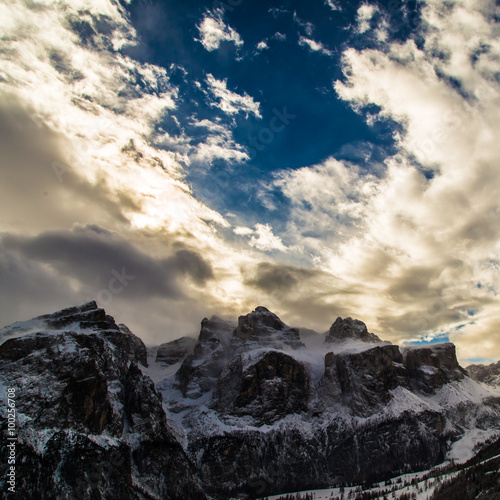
248	409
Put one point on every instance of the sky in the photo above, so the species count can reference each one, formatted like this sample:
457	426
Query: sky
174	160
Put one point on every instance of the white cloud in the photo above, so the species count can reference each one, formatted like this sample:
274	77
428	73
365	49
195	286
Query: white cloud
262	46
243	231
218	144
281	37
364	15
422	251
314	46
230	102
305	25
213	31
262	237
333	4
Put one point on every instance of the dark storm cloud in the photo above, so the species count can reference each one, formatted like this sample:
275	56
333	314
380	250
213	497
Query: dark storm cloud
269	276
303	297
99	259
29	288
415	284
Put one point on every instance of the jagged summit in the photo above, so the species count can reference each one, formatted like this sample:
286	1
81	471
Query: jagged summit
88	316
88	420
216	327
244	401
262	328
488	374
348	328
174	351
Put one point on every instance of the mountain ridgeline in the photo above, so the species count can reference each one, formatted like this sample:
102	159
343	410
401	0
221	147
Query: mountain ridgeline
247	410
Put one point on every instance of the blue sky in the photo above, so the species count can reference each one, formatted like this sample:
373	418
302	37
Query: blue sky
322	159
285	75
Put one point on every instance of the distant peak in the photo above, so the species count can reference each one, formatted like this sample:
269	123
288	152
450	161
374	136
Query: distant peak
349	328
259	321
264	327
261	309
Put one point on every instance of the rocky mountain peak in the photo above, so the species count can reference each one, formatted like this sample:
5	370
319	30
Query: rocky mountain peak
488	374
248	403
172	352
216	327
88	315
262	328
348	328
89	420
432	366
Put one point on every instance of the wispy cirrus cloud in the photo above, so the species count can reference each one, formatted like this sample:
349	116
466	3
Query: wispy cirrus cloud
334	4
213	31
231	102
314	46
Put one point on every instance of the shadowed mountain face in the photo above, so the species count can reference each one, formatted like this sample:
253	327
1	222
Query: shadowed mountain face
89	420
246	410
488	374
350	329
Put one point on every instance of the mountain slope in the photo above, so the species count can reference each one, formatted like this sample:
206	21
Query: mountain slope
280	417
89	423
245	411
488	374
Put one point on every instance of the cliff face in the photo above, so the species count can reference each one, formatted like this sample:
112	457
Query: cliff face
487	374
363	380
89	421
244	411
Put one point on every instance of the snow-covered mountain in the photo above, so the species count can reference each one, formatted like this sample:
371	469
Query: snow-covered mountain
488	374
247	410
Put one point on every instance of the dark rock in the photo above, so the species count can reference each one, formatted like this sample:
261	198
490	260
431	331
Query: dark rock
93	424
70	311
271	387
362	380
430	367
349	328
262	328
200	370
487	374
175	351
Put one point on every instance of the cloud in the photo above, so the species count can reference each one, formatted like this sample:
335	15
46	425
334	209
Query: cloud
82	147
283	287
314	46
218	143
364	15
91	183
305	25
264	239
281	37
231	102
92	255
416	237
213	31
262	46
270	277
52	193
333	4
243	231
